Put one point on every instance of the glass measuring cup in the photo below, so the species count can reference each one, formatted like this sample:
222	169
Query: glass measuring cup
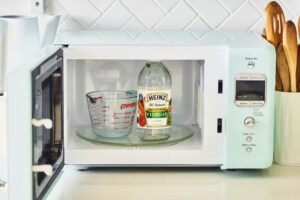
112	112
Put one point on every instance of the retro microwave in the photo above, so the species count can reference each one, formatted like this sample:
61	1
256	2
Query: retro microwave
223	90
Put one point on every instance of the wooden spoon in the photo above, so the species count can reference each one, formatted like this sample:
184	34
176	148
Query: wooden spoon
283	68
274	23
274	28
290	49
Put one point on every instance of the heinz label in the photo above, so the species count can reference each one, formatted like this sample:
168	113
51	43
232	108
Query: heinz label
154	108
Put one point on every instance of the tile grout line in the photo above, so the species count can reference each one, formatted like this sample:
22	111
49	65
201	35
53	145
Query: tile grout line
98	18
93	3
224	6
121	2
70	16
155	26
289	9
186	28
200	16
64	22
253	4
158	5
192	20
123	27
251	27
230	16
229	12
103	14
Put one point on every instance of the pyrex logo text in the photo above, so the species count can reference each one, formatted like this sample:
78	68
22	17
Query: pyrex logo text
128	105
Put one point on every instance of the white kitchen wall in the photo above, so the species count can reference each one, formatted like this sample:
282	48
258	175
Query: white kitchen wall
14	7
157	14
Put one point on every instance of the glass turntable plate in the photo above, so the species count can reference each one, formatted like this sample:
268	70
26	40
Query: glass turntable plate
177	133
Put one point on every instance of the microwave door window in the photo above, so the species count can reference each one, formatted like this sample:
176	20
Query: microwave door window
50	139
48	142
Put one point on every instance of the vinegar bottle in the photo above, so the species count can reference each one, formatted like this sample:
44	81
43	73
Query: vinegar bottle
154	101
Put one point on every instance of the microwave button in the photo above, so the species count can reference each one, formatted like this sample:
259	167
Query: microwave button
248	149
251	64
249	139
249	122
257	103
242	103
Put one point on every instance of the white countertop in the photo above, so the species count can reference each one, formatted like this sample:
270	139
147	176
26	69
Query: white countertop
275	183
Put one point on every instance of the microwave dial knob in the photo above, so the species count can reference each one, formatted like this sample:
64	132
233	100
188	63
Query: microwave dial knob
249	122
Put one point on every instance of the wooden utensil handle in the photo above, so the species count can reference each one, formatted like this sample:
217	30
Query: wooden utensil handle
290	49
278	86
298	69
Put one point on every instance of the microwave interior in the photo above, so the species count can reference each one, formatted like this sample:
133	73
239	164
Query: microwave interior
83	76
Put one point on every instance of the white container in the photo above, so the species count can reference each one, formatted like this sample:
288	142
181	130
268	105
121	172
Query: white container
21	37
21	40
287	129
3	139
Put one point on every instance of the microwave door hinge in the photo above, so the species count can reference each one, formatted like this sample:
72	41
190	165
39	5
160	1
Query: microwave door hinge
47	169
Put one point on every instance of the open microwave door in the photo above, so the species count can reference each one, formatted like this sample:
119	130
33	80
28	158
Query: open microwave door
47	123
34	124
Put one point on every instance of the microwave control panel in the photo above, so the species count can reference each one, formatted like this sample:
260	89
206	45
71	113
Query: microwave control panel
250	90
250	108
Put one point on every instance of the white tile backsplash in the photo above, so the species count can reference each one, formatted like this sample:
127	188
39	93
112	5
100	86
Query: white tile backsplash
167	5
212	11
231	5
198	24
175	19
243	18
109	21
146	11
161	14
134	24
102	4
84	12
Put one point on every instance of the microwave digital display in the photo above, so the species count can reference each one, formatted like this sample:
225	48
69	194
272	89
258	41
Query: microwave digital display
250	90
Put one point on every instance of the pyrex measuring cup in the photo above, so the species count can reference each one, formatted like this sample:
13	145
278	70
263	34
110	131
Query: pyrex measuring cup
112	112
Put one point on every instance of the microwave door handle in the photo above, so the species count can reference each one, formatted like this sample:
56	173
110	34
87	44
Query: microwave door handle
47	169
47	123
